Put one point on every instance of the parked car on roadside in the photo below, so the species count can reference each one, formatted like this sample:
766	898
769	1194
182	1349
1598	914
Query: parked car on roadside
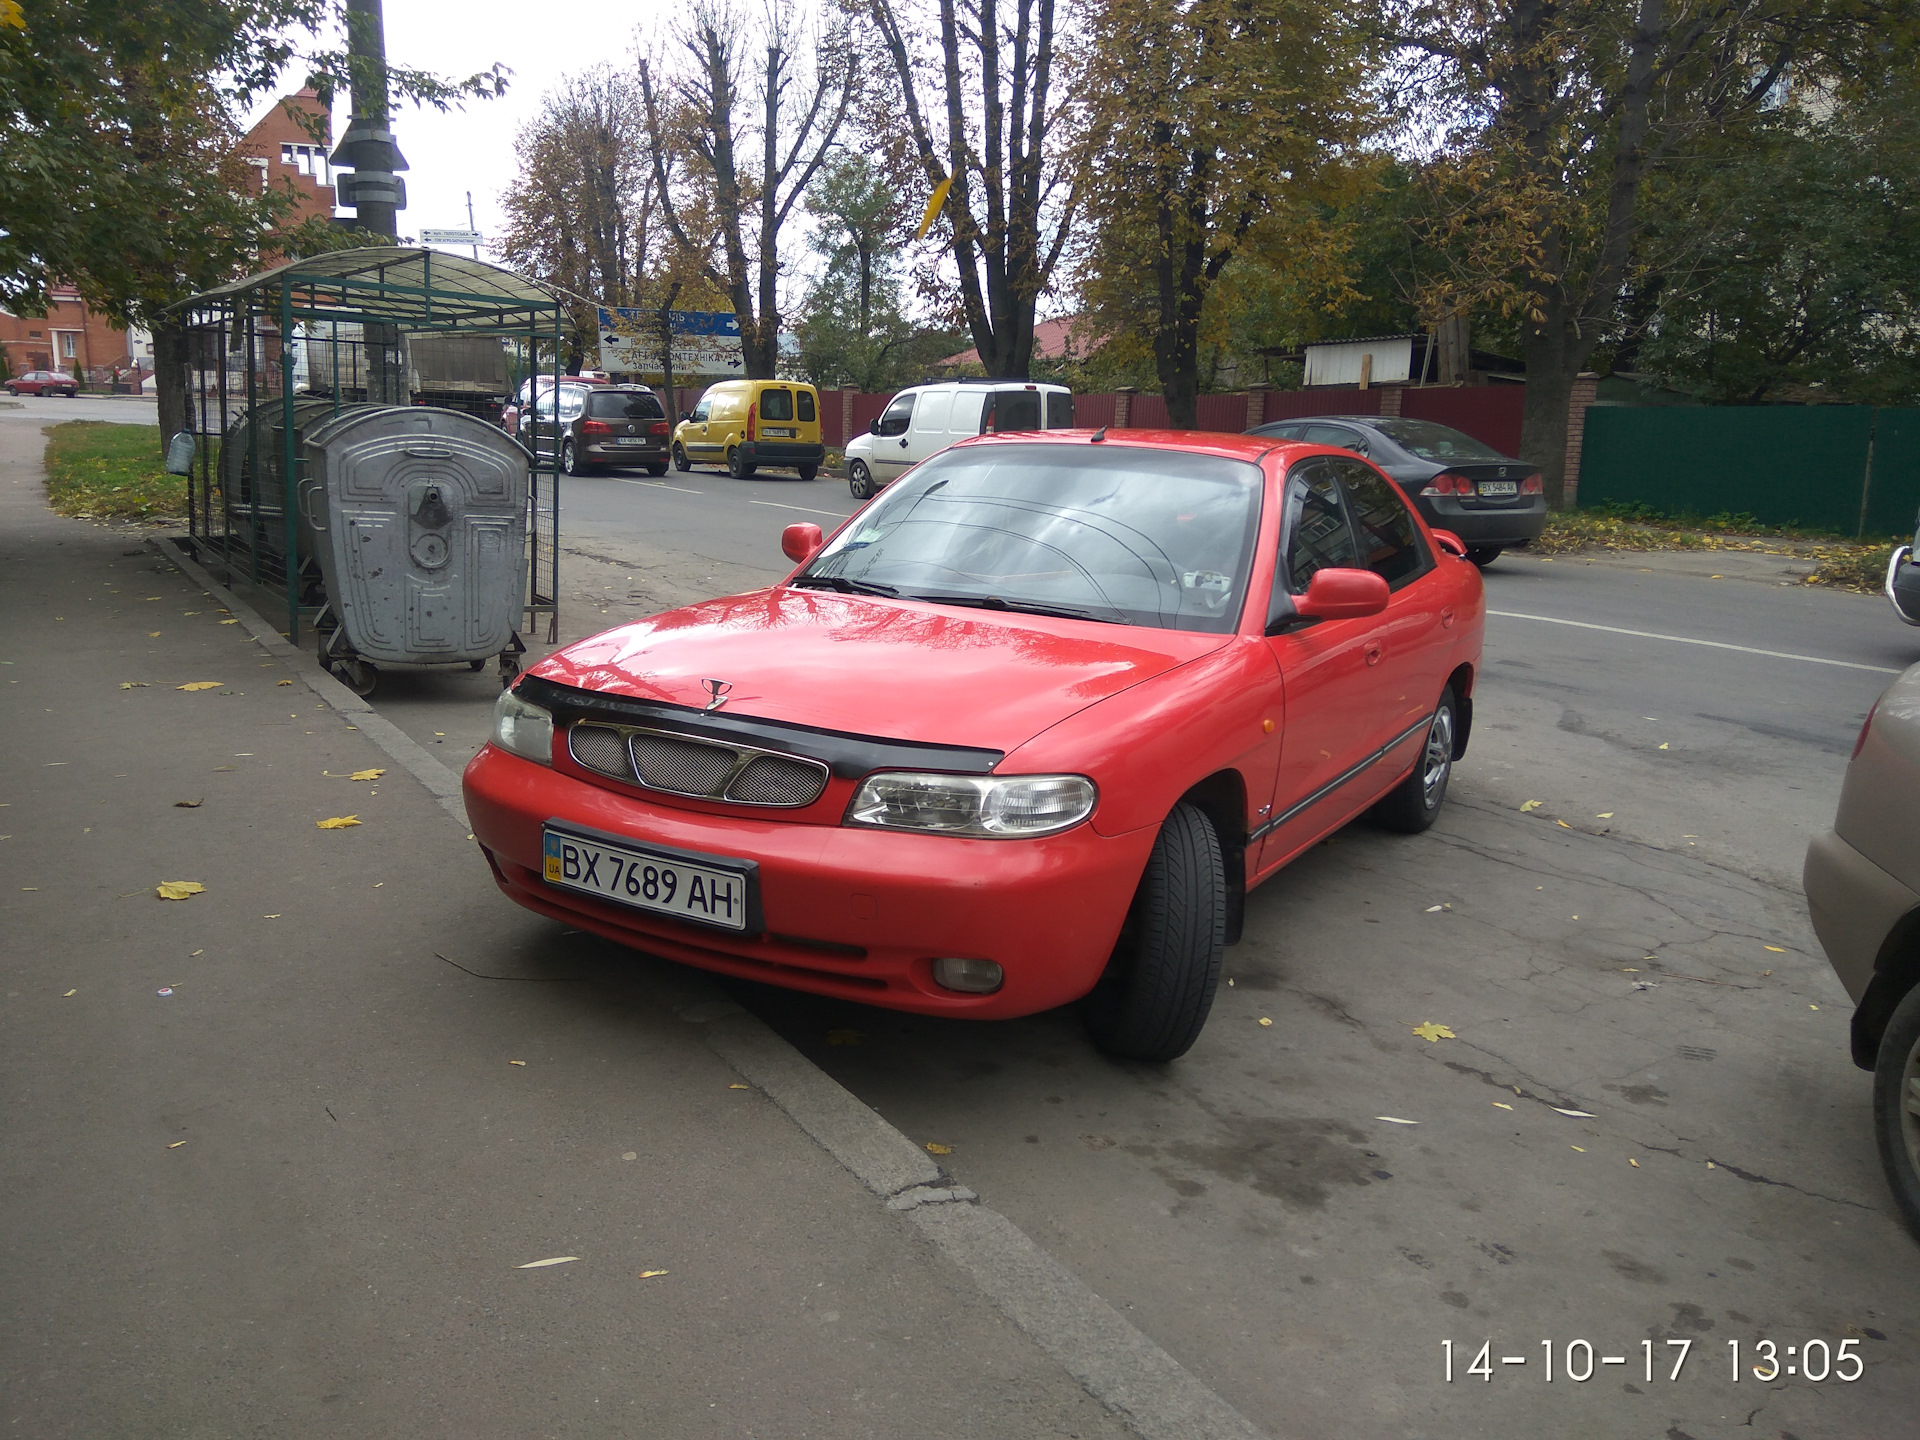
923	420
510	412
1903	579
1022	732
1862	880
44	382
599	426
752	425
1491	501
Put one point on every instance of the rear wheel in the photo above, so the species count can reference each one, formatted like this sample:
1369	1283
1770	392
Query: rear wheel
1415	803
807	472
570	462
356	675
1484	555
859	480
658	467
1154	997
680	460
737	466
1896	1106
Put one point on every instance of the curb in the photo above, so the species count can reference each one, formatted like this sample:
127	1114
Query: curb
1130	1375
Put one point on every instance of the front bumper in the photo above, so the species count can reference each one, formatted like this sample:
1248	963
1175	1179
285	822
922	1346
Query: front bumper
1483	524
1854	905
854	913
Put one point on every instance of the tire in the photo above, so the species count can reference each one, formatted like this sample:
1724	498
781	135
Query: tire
13	392
1484	555
476	666
357	676
1415	803
807	472
657	468
860	480
1154	997
738	468
680	460
570	463
1896	1107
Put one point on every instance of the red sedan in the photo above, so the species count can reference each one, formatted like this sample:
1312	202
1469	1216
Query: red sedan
1022	732
44	382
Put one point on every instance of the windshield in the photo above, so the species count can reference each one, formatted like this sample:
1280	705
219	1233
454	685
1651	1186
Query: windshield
624	405
1123	534
1434	442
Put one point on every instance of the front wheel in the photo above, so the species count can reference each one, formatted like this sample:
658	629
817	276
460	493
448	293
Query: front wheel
1154	997
680	460
357	676
1415	803
1484	555
860	481
1896	1107
737	466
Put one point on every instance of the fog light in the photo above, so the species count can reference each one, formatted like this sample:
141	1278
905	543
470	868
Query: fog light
975	977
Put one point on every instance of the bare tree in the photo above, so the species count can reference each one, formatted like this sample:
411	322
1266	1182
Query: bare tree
995	86
734	203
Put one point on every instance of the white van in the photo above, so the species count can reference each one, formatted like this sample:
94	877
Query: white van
924	419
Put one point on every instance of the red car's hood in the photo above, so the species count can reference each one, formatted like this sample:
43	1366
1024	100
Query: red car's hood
875	667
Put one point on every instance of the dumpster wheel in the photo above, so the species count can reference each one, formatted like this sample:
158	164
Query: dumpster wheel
357	675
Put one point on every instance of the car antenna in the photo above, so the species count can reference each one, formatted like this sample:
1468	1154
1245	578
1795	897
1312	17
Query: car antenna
1099	435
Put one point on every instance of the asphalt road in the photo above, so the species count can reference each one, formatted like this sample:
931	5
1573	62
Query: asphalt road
51	409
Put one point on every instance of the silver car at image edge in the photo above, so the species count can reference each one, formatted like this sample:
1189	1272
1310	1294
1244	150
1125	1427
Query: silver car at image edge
1862	881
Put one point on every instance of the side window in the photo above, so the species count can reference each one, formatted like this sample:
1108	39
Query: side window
1059	411
1336	435
571	404
803	399
702	410
1315	530
1390	542
893	420
543	407
776	404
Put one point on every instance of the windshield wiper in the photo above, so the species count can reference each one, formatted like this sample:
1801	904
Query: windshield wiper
1021	607
842	584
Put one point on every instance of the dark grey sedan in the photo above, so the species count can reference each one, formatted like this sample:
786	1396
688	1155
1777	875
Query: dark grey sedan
1490	500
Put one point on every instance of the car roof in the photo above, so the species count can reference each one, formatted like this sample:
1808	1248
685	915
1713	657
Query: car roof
1194	442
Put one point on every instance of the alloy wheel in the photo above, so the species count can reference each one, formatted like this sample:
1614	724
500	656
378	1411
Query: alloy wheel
1910	1105
1438	759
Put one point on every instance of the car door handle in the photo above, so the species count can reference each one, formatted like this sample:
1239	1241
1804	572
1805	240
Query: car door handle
903	444
1446	618
1372	652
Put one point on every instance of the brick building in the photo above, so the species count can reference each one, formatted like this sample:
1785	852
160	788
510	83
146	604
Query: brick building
68	337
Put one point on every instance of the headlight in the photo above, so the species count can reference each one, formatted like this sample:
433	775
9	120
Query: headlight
996	807
523	728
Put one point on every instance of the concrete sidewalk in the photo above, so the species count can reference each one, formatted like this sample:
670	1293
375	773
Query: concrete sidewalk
280	1154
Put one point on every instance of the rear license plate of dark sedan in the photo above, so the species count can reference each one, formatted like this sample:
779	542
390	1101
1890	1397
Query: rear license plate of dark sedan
1496	489
631	440
646	879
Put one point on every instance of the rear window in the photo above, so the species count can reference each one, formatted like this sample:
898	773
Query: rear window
1435	442
625	405
776	404
804	403
1059	412
1015	410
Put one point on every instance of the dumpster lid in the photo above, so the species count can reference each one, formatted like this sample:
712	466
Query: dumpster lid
409	285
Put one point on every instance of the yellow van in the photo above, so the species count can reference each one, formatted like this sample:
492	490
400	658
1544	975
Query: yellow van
747	424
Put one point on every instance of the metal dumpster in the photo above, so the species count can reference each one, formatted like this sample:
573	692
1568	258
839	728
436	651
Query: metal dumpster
418	517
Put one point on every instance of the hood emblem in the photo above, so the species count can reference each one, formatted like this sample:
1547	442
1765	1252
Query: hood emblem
718	690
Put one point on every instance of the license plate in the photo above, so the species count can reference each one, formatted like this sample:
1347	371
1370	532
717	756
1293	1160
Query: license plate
783	433
646	879
631	440
1499	487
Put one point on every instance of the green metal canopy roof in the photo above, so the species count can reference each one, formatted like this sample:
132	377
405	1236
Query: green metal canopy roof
414	288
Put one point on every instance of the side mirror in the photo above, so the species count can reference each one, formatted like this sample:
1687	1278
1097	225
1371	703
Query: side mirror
1450	542
1342	595
800	543
873	428
686	414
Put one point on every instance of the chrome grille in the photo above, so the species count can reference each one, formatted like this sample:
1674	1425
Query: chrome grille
602	748
778	780
685	767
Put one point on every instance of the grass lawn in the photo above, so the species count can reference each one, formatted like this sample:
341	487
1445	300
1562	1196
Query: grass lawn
100	471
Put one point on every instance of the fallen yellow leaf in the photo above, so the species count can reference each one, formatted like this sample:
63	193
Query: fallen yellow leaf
1813	1007
1634	1163
516	1062
556	1260
366	774
1581	1148
283	682
1775	948
178	889
1604	815
338	822
229	622
739	1087
1395	1120
935	1148
1265	1021
176	1145
1502	1105
1663	744
1433	1032
70	994
1563	824
134	685
197	684
844	1037
649	1274
1527	807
